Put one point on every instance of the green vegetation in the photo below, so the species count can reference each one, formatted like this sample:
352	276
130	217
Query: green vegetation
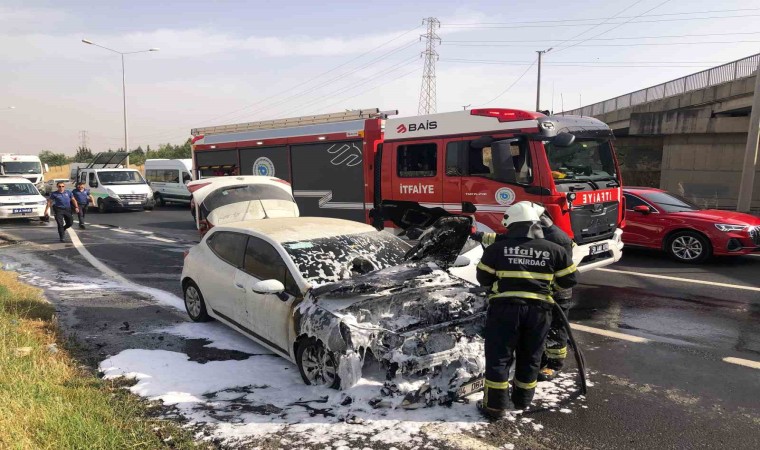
137	156
50	402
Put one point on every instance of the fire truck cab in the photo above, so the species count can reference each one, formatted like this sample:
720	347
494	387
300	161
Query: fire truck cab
342	165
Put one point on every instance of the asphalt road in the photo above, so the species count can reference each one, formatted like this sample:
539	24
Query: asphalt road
663	384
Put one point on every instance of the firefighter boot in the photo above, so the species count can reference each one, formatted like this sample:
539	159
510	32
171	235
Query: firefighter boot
522	397
491	413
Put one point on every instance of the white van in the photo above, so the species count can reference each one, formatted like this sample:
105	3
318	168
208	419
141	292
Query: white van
168	178
26	166
20	199
117	189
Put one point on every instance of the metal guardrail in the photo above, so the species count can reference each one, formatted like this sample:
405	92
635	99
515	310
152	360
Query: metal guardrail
741	68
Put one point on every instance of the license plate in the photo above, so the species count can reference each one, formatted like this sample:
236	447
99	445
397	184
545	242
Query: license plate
22	210
134	203
599	248
472	386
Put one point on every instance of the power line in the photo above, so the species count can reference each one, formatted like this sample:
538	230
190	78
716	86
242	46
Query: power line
575	25
616	38
512	63
644	44
511	85
615	27
476	24
598	25
311	79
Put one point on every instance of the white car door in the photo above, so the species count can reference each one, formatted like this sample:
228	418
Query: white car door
218	283
270	316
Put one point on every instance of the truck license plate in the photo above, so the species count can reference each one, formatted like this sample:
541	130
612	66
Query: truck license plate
469	388
599	248
22	210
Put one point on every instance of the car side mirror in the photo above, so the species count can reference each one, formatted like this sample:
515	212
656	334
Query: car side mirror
643	209
461	261
268	287
93	184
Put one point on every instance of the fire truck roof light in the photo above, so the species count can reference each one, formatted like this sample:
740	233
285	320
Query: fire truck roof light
506	115
196	138
259	143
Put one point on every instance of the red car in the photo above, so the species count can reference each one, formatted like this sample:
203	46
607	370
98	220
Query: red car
658	219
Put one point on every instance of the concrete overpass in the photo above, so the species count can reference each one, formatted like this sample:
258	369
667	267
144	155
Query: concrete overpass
686	135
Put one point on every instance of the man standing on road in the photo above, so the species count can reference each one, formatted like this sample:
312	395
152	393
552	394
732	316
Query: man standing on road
83	198
555	352
61	201
520	270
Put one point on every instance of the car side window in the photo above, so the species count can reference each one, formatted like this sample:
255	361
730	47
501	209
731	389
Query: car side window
632	201
93	181
228	246
264	262
417	160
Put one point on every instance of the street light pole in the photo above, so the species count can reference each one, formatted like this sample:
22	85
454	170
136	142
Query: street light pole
123	86
538	84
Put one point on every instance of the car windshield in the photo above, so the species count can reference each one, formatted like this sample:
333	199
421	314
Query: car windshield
120	177
585	160
236	194
7	189
22	167
327	260
670	202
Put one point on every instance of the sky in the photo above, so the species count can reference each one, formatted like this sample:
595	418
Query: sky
224	62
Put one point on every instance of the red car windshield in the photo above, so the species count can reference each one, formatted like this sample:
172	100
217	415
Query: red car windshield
670	202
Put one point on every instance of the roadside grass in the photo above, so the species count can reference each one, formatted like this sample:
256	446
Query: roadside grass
47	400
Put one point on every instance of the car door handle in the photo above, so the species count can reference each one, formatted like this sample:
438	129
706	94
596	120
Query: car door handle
239	286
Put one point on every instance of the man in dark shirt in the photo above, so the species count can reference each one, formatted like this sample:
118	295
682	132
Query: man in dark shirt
83	199
521	270
61	201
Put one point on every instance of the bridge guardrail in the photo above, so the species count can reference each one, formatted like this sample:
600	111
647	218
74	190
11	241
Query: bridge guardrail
741	68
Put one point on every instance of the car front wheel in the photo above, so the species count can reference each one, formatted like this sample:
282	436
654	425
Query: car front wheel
689	247
194	303
318	366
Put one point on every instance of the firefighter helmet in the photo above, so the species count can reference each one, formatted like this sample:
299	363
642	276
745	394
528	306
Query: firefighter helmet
520	212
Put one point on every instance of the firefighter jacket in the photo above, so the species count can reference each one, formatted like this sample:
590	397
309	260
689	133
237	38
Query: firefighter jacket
552	233
523	266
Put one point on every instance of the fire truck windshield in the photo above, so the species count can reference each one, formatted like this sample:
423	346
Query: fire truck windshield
584	160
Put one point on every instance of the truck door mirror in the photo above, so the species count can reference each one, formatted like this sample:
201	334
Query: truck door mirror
47	169
468	208
563	139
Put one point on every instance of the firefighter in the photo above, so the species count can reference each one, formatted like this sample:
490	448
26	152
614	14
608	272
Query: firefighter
520	270
555	352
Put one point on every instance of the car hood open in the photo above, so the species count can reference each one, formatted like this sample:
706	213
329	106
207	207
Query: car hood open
443	235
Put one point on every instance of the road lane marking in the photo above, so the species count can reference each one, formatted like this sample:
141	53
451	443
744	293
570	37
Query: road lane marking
683	280
93	260
742	362
123	231
97	226
608	333
156	238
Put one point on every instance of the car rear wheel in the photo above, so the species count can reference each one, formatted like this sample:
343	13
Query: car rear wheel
194	303
689	247
318	366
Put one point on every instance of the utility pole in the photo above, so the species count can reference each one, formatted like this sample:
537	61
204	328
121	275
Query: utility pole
747	183
427	91
538	84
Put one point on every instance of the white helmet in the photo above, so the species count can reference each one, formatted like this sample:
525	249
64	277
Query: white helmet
520	212
539	208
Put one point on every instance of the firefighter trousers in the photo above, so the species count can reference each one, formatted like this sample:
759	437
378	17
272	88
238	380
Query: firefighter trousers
515	328
555	352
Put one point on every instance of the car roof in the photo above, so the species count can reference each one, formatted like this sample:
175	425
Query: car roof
7	179
640	189
209	185
290	229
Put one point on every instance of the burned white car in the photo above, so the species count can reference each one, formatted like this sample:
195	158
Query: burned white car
337	297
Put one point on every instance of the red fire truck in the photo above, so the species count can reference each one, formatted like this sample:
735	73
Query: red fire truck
342	165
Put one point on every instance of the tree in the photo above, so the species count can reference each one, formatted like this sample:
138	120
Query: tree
83	154
53	159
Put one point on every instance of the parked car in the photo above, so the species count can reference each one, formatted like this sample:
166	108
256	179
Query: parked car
661	220
168	178
20	199
331	295
51	184
217	201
